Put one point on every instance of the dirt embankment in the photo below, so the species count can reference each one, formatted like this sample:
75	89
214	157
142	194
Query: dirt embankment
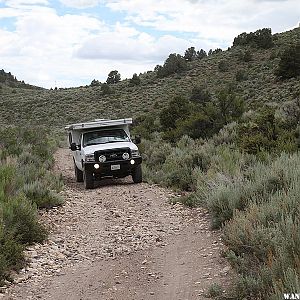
121	241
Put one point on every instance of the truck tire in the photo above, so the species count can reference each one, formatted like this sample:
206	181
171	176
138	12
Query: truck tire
88	179
137	175
78	174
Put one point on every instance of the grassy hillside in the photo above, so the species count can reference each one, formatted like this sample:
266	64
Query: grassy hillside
255	82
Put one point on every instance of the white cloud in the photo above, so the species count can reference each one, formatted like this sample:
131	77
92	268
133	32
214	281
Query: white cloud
219	19
14	3
41	48
45	47
80	3
129	44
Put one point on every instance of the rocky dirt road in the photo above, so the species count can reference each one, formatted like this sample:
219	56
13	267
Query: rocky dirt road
121	241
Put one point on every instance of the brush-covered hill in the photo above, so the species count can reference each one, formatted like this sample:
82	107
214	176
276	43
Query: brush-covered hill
250	69
9	80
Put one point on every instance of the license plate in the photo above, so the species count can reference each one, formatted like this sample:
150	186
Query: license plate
115	167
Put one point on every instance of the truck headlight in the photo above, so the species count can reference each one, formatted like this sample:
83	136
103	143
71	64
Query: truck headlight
135	153
89	158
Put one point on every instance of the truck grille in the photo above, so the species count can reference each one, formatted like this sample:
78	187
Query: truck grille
112	154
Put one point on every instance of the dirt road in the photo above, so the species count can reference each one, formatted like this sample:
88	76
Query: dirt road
121	241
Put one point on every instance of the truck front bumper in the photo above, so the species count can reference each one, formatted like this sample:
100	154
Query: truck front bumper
117	169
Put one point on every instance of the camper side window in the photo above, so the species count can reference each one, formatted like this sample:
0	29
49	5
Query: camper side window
80	139
70	138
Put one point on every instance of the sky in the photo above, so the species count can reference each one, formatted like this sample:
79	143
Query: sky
68	43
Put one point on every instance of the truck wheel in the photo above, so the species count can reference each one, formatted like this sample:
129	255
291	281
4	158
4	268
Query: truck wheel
137	175
78	174
88	179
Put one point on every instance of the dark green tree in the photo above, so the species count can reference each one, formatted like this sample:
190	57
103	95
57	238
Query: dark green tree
229	105
145	125
261	38
200	95
198	125
217	50
113	77
135	80
95	83
289	65
177	109
190	54
201	54
175	63
264	38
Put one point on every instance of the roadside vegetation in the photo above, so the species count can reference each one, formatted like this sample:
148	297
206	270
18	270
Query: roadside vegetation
242	163
26	185
249	181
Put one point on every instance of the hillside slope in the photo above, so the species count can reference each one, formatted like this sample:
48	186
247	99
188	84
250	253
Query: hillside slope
255	82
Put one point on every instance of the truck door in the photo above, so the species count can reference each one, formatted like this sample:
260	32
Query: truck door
78	153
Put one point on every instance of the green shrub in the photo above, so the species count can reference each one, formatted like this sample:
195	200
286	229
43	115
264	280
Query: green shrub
177	169
11	255
173	166
289	284
266	133
223	66
196	125
105	89
145	125
241	75
189	200
246	56
8	183
25	183
260	211
289	65
20	219
227	135
214	290
38	193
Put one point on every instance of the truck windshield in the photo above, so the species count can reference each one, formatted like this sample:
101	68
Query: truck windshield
104	136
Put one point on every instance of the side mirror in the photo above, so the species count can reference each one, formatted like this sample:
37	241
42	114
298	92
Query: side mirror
137	139
73	147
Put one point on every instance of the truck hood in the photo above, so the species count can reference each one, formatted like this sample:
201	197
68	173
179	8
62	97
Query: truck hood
91	149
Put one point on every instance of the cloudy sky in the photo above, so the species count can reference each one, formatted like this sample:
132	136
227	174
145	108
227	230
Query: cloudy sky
70	42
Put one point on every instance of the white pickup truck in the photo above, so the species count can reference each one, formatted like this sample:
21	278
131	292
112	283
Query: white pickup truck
103	148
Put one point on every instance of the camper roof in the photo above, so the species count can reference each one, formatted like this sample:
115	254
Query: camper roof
99	123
